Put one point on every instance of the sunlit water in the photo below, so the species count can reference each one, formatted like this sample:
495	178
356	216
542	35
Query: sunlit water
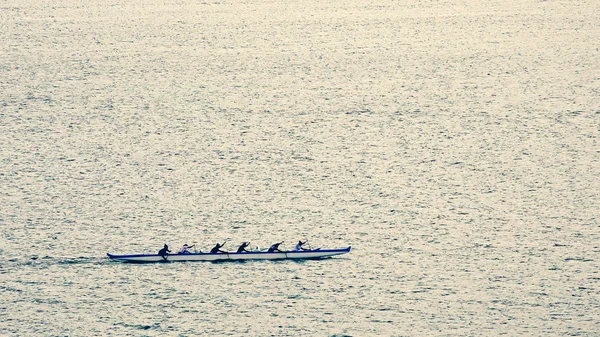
453	145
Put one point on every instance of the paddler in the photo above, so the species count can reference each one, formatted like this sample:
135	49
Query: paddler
164	252
217	248
242	247
299	245
275	248
184	249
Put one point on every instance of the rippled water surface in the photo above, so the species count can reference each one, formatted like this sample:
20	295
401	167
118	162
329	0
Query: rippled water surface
454	145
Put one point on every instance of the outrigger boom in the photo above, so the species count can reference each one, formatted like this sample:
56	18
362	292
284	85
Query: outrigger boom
287	255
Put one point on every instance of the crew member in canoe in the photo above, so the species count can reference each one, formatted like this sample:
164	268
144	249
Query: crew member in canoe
275	248
242	247
164	252
184	249
300	244
217	248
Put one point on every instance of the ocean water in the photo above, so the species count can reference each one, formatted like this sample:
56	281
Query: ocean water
454	145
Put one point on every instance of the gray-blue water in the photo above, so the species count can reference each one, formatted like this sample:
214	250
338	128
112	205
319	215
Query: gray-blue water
453	145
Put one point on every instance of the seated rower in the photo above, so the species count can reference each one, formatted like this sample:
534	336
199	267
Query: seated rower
217	248
275	248
164	252
242	247
299	245
184	249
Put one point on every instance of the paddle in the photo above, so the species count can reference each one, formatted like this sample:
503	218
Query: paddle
223	245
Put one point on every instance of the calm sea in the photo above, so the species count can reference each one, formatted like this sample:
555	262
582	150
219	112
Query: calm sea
455	145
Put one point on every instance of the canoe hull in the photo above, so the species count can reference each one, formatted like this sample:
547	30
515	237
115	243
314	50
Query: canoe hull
217	257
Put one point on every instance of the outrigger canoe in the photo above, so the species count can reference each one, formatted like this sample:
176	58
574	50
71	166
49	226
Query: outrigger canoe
289	255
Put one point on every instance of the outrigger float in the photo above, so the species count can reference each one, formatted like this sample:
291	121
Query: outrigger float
257	255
